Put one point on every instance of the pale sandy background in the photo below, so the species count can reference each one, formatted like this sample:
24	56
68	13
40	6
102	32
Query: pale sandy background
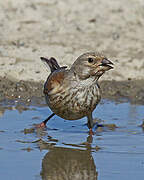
65	29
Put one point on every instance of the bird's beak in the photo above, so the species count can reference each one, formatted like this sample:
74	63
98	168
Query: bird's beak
105	63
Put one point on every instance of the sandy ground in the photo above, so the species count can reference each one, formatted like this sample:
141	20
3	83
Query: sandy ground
65	29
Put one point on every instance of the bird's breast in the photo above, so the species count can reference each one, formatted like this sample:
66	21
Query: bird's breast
74	102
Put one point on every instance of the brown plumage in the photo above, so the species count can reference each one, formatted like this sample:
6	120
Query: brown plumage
74	93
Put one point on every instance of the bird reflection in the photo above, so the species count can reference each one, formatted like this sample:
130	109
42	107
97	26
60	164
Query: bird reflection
62	163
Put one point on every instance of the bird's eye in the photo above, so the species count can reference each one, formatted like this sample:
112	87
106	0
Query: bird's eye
90	60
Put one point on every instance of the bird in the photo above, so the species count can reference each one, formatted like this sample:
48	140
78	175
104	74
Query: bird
73	93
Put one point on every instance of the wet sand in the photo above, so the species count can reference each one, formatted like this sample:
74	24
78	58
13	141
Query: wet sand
32	92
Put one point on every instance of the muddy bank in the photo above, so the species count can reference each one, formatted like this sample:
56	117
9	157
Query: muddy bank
32	92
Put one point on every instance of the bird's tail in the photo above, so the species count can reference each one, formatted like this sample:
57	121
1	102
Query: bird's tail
52	63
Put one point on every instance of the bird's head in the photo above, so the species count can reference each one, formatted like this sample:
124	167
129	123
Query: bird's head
91	64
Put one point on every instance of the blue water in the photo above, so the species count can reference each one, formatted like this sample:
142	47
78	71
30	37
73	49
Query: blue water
66	145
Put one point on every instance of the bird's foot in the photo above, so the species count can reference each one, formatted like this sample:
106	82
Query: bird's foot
41	125
91	132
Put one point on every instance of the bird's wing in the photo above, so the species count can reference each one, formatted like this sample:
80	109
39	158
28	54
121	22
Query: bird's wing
54	82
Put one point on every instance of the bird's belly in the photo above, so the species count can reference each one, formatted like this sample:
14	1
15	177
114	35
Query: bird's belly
75	103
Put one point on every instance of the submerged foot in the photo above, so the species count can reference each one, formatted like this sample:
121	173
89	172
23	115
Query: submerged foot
95	126
91	132
41	125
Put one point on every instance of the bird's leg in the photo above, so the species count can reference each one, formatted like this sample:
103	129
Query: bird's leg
90	123
43	123
90	120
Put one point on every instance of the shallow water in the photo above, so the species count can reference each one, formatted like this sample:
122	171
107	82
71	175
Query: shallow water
66	151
